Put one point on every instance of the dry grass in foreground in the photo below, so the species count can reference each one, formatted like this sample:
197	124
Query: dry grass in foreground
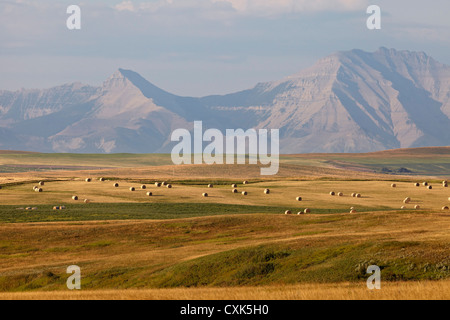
426	290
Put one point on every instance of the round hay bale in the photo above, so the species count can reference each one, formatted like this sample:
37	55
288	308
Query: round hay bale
430	187
307	210
158	184
149	194
393	185
41	183
169	186
445	208
35	187
38	190
266	191
234	185
403	207
244	193
205	195
352	208
143	187
417	184
340	194
210	185
132	189
101	179
445	185
299	199
28	208
358	195
416	207
407	200
332	193
75	198
87	201
287	212
88	180
116	185
62	207
353	195
353	211
245	182
164	183
55	208
425	184
444	182
234	191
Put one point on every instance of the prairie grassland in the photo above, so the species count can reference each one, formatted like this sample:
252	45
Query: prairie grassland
416	290
177	244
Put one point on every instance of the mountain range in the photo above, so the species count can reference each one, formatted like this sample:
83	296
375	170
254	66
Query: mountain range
352	101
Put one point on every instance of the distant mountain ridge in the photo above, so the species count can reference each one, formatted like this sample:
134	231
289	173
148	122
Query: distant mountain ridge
351	101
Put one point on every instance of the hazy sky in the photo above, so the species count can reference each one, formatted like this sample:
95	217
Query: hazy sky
202	47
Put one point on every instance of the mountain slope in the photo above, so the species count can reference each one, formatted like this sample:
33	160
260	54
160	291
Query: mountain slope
352	101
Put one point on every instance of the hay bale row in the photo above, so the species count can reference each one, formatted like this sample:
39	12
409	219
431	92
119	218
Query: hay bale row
356	195
30	208
59	208
307	210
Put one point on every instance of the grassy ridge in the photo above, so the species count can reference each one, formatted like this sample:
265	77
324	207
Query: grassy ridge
137	211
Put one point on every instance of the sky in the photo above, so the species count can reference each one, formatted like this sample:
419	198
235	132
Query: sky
203	47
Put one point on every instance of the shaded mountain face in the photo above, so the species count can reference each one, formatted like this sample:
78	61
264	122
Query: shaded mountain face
351	101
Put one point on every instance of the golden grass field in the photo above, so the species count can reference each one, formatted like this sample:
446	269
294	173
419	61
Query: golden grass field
224	246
